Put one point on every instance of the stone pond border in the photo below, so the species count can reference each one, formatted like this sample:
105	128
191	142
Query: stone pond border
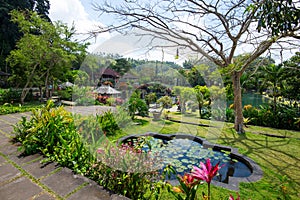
234	182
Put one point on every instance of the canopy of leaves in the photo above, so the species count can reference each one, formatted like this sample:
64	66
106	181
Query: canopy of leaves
9	32
44	53
279	16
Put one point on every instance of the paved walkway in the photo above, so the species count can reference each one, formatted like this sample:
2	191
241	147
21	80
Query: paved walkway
26	178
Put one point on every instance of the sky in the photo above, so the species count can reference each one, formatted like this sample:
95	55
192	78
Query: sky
85	19
81	13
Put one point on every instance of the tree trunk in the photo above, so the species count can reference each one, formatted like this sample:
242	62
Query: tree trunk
274	97
46	85
41	93
23	95
183	108
200	113
25	90
238	108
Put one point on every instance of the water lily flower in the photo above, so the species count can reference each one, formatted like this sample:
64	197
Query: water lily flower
206	172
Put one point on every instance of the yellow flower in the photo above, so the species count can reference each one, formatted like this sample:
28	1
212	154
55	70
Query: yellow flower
247	107
177	189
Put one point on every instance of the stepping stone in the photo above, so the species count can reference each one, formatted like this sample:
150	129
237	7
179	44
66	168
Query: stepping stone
8	172
62	182
16	189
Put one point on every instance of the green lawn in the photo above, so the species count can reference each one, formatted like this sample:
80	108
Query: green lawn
278	157
8	108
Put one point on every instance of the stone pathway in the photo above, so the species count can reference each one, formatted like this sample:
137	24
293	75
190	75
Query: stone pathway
26	178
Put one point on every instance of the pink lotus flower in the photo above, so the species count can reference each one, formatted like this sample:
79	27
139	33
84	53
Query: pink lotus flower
207	171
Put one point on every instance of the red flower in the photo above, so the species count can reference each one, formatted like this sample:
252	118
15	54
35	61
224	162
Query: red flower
188	180
232	198
206	172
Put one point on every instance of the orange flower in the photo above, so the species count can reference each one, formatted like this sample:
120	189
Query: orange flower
177	189
247	107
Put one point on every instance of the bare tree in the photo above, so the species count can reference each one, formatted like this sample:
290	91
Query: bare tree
219	30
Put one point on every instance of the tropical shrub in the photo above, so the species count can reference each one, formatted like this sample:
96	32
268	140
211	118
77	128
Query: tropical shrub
110	101
52	131
150	98
229	115
10	96
65	94
137	106
283	117
251	113
108	123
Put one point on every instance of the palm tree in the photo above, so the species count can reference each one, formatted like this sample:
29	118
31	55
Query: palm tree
273	78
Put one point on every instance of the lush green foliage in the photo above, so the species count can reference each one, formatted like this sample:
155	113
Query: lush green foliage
9	95
137	105
108	123
53	132
36	61
202	97
284	117
279	16
165	101
150	98
83	96
121	65
9	32
73	143
80	153
8	108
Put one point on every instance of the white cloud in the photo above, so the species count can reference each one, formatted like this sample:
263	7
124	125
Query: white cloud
73	11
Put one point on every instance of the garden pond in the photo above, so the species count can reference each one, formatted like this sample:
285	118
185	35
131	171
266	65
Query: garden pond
183	151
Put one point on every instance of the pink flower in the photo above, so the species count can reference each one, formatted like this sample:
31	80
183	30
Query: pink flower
188	180
206	172
100	151
232	198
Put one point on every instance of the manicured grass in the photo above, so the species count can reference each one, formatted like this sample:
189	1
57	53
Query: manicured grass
279	158
8	108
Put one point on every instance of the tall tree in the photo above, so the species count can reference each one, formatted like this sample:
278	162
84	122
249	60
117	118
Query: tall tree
218	30
273	79
292	78
43	54
9	32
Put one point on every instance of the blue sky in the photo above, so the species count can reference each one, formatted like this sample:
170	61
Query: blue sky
81	13
85	18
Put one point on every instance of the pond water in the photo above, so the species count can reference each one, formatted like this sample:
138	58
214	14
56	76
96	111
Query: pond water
183	154
252	99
